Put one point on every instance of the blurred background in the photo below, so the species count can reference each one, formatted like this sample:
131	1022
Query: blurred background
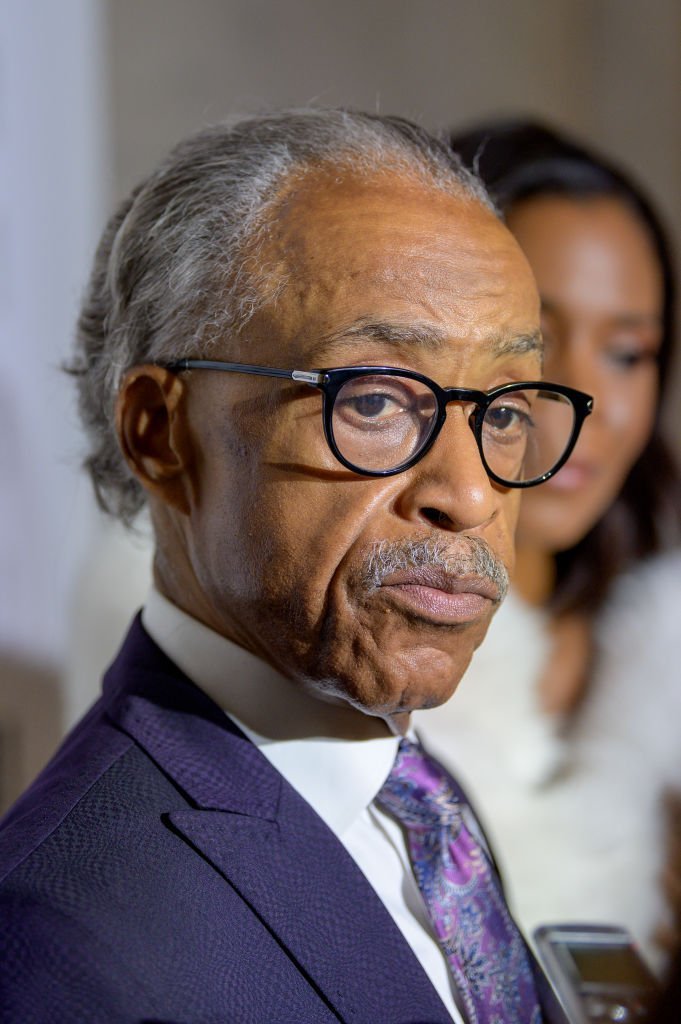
93	92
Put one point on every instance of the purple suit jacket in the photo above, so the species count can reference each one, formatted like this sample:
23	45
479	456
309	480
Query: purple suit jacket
161	870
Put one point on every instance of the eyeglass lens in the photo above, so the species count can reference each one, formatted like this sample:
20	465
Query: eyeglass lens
380	422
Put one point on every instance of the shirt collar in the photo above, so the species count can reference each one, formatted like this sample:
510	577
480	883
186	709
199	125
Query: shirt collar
336	757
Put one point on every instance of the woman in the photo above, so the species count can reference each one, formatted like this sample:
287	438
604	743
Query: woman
568	723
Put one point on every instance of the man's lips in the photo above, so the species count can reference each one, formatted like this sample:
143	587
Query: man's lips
440	595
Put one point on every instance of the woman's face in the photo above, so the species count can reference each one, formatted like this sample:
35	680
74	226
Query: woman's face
602	293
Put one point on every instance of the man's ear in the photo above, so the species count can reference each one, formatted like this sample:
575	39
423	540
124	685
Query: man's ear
153	433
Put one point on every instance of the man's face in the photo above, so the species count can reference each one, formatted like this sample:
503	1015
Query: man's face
282	539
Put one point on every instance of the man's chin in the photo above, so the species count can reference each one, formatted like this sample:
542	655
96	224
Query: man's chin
396	697
387	665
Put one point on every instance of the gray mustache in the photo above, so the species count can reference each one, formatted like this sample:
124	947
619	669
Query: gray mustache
469	556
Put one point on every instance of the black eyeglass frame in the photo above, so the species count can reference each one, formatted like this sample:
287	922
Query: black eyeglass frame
330	381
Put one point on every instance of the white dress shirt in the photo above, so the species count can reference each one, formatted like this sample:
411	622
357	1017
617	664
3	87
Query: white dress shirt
336	758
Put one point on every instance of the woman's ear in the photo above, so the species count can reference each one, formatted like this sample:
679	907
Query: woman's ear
153	433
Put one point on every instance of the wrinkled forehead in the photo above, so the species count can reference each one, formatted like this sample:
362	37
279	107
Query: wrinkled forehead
343	248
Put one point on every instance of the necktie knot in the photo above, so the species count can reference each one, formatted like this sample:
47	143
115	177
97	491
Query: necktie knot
418	791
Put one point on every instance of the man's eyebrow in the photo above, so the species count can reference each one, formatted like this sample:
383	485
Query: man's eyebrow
518	344
433	337
426	335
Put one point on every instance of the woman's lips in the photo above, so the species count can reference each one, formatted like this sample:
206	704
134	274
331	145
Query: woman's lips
440	596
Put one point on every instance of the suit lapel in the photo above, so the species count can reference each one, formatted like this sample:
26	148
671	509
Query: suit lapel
269	844
306	889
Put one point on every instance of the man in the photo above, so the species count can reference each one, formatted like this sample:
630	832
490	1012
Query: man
224	837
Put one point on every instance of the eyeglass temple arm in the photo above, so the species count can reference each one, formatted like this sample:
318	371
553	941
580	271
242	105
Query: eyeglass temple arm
304	376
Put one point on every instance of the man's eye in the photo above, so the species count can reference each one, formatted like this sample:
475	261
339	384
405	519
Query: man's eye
506	417
372	406
377	404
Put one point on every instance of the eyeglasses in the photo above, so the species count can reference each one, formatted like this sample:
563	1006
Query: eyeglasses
380	420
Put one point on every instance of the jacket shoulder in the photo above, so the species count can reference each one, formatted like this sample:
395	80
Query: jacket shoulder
84	757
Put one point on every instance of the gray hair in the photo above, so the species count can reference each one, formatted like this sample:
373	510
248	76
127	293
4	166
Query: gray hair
178	265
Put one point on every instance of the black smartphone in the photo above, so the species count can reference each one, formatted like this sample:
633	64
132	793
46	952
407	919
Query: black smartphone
597	973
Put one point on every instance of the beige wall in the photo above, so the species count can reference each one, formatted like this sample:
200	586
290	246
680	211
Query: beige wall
608	69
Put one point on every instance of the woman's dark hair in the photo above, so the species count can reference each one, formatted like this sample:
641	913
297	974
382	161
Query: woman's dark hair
518	160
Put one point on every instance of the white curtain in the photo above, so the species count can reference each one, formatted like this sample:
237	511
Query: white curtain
52	202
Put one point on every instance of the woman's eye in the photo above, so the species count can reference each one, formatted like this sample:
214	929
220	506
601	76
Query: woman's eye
629	358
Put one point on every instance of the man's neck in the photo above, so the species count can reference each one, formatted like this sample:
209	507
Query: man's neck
247	687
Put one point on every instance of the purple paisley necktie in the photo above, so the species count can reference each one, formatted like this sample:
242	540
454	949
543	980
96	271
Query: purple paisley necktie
484	949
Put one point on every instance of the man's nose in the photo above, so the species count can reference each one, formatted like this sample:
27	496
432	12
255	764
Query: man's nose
449	487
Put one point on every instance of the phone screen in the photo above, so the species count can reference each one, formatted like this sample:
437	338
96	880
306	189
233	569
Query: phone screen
608	965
